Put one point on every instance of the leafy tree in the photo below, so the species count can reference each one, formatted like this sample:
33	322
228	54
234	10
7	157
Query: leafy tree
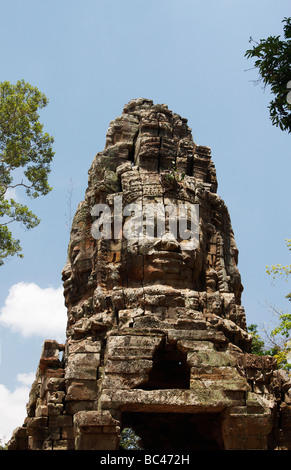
3	444
129	440
25	157
273	61
258	344
280	336
279	270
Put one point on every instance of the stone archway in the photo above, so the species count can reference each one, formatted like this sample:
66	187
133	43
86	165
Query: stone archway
179	431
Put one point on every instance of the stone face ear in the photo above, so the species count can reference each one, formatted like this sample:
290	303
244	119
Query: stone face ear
156	335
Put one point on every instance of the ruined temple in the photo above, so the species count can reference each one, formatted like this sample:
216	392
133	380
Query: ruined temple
156	335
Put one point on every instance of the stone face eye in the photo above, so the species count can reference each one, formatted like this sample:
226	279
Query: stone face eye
75	253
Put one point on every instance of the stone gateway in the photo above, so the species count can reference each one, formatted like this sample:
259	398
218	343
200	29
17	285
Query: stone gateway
156	335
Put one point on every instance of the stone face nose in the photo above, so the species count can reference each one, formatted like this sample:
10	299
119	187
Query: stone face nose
156	335
166	244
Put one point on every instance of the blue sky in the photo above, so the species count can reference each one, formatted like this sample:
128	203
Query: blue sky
90	58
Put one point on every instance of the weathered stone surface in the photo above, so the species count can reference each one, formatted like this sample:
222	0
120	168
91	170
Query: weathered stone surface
156	333
173	400
96	430
79	390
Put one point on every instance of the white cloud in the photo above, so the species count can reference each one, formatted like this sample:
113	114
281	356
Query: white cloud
31	310
26	379
11	194
13	406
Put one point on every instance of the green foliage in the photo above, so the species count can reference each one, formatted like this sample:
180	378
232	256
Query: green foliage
129	440
281	271
280	352
281	337
258	344
281	334
283	357
25	157
3	445
273	61
174	176
285	325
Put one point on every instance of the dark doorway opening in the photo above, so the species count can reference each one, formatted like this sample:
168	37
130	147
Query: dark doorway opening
170	370
176	431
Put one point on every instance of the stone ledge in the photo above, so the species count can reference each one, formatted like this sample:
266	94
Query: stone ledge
169	400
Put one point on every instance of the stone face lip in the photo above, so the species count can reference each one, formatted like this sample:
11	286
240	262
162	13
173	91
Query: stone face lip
156	333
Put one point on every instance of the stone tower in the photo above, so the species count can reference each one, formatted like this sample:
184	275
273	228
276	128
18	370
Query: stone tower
156	334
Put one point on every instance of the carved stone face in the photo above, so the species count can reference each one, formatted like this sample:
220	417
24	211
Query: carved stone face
164	259
156	258
79	263
152	260
150	158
